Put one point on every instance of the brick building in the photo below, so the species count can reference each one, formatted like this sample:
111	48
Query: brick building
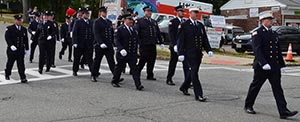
244	13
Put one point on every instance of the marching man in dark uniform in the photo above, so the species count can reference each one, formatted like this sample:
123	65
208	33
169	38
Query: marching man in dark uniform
66	39
17	47
54	39
83	39
149	36
268	64
32	30
127	45
46	33
79	16
173	36
104	41
192	39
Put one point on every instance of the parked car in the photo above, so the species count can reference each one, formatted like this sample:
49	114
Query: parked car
286	35
163	24
232	31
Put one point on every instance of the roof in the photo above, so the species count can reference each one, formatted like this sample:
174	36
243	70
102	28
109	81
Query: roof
240	4
290	3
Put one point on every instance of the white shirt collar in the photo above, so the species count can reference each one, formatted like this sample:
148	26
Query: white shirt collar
127	27
18	27
266	27
103	17
193	21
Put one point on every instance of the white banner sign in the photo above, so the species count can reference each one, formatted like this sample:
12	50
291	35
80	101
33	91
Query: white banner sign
217	21
214	37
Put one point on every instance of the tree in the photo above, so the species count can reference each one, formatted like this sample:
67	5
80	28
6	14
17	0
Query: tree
216	3
25	9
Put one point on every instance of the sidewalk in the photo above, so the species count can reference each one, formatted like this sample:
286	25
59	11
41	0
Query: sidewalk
226	60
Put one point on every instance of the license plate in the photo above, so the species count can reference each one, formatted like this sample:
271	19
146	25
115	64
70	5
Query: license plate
238	46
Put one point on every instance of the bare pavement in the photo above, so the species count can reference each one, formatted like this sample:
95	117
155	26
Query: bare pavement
57	96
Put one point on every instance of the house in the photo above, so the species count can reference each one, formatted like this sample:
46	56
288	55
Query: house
244	13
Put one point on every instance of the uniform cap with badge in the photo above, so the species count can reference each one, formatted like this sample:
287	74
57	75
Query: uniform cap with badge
179	8
128	16
147	8
18	17
266	15
103	9
47	13
195	9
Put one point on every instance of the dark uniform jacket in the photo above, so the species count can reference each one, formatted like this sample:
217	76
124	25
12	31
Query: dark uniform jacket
192	38
149	33
18	38
44	30
33	27
127	40
56	30
104	32
173	31
266	49
83	34
65	32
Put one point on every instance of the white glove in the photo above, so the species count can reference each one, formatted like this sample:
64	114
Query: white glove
181	58
75	45
210	54
49	37
71	34
123	52
33	32
175	49
62	40
162	46
103	46
27	52
282	70
13	48
115	49
266	67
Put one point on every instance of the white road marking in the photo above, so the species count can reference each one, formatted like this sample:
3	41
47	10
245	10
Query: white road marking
63	72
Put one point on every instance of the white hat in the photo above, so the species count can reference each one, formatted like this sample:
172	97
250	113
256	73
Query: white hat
266	14
194	9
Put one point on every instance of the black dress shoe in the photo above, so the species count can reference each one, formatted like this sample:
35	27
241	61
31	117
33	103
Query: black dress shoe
94	79
70	60
47	70
151	78
24	81
185	92
75	74
98	74
115	84
121	80
140	88
82	66
60	56
7	78
40	71
201	99
170	82
249	110
53	66
288	114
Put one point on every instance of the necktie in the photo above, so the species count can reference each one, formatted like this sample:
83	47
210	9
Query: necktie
129	29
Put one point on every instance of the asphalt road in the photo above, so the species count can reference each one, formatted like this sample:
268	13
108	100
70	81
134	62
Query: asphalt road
59	97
